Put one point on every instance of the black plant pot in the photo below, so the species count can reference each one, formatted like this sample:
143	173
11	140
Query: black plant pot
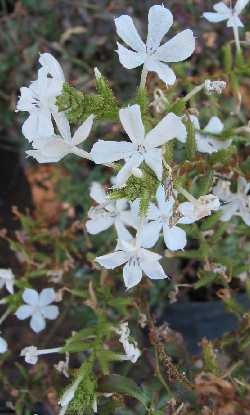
195	320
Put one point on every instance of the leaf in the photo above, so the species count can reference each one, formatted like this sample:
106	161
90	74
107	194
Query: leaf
123	385
209	222
206	279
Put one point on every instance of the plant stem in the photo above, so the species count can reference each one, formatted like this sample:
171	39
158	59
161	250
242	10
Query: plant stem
143	77
237	38
194	91
4	316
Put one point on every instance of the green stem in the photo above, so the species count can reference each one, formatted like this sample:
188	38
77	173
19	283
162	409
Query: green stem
143	77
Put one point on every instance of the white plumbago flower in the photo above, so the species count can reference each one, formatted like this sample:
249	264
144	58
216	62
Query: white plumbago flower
205	143
154	56
7	279
31	353
215	87
223	12
136	259
57	147
130	347
143	147
161	217
38	308
108	213
39	99
199	208
3	345
235	203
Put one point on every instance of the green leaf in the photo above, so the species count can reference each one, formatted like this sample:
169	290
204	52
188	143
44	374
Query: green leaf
123	385
210	221
206	279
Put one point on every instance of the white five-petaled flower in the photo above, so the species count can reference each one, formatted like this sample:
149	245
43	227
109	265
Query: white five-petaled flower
3	345
223	12
108	213
204	141
7	279
38	307
161	217
154	56
57	147
39	100
130	346
136	259
235	203
199	208
143	147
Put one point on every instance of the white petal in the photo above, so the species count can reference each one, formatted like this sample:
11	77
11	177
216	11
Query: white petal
240	5
222	8
26	100
160	19
195	122
149	256
37	322
99	224
215	17
234	21
111	261
165	206
228	210
47	296
109	151
132	274
178	49
23	312
153	159
128	58
53	151
153	270
122	231
31	296
214	126
50	312
62	125
150	234
245	214
30	127
153	212
52	66
165	73
97	193
132	123
3	345
83	131
175	238
168	128
126	30
126	170
187	210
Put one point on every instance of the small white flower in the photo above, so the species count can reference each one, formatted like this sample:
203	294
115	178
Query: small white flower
205	143
38	308
57	147
3	345
235	203
7	279
31	353
161	218
63	366
136	259
108	213
223	12
143	147
39	99
130	347
200	208
215	87
153	56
